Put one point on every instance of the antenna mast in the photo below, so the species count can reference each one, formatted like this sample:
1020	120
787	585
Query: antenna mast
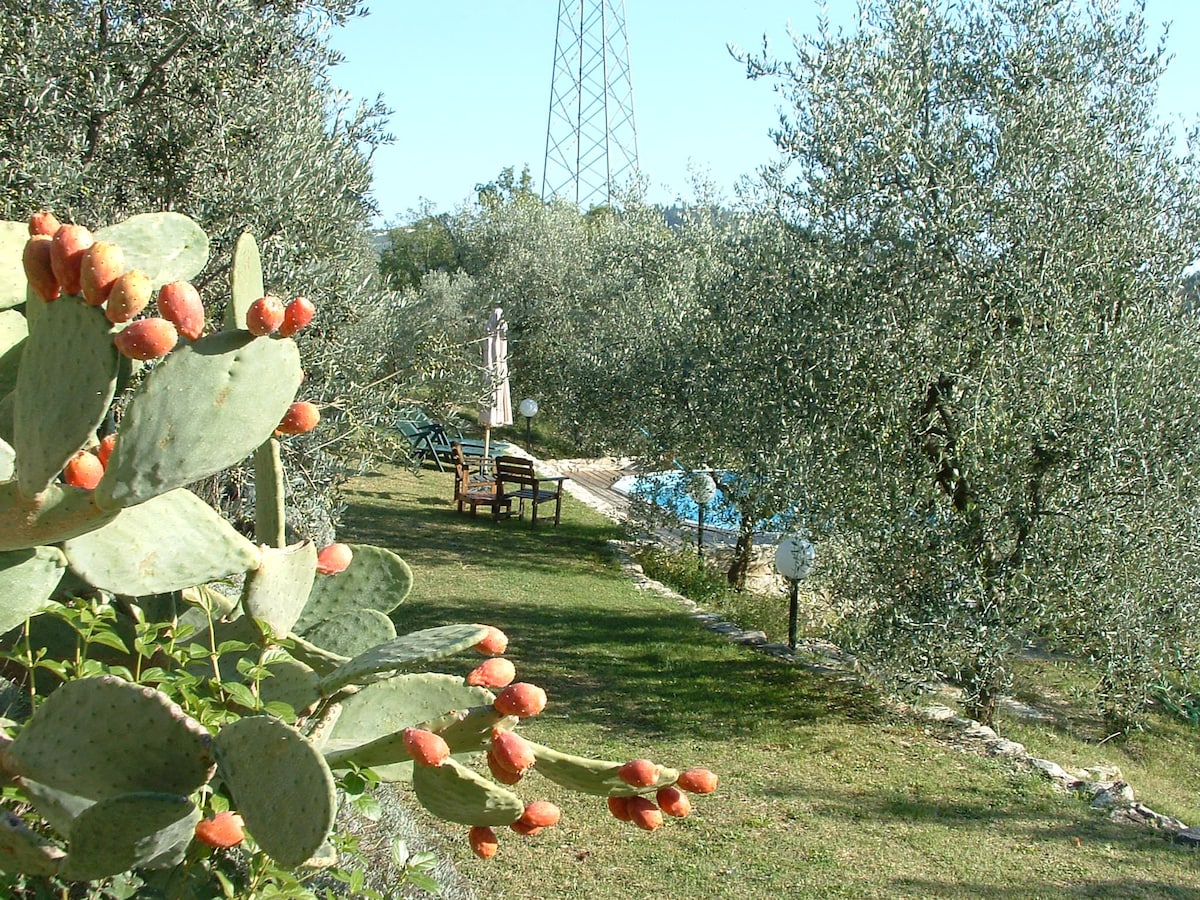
591	140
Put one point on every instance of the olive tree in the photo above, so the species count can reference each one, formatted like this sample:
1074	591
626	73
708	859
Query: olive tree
1003	430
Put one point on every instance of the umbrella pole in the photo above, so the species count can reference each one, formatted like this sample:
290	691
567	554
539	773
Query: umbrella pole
485	463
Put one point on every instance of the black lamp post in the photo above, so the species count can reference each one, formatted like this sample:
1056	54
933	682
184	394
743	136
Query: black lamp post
794	559
528	408
703	489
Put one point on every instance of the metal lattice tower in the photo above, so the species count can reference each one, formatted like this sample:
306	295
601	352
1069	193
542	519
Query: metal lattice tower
591	141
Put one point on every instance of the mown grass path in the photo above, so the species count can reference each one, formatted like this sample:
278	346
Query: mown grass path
824	793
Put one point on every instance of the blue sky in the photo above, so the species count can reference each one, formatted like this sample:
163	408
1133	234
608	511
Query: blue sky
469	85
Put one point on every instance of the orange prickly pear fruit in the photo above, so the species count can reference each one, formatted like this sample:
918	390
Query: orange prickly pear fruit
494	643
264	316
333	559
500	772
496	672
673	802
222	831
104	451
619	807
38	269
644	814
697	781
512	752
541	814
300	418
83	470
179	303
425	747
297	315
483	841
129	296
146	339
44	222
639	773
103	263
521	699
69	244
525	828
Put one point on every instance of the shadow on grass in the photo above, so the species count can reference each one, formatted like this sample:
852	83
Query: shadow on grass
612	656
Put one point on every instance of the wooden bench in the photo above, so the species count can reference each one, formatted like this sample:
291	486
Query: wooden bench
516	480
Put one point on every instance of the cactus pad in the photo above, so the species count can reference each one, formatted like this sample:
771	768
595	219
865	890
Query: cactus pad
58	808
464	731
27	579
102	737
270	525
56	514
291	682
166	246
246	281
170	542
276	591
13	237
139	830
67	379
280	784
13	332
203	408
457	794
352	633
388	707
21	850
375	578
591	776
420	646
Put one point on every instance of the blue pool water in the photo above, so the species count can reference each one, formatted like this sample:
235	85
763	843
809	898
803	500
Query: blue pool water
669	491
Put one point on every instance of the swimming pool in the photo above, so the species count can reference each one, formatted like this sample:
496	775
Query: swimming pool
669	491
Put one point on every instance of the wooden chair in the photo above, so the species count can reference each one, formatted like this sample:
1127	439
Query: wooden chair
474	490
516	480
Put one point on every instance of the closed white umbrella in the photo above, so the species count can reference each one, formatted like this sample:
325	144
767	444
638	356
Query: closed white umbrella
498	408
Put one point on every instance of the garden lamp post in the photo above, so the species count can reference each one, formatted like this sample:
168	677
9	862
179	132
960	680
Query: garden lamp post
702	490
528	408
794	559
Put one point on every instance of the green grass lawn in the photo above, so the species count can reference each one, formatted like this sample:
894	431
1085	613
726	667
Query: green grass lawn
824	792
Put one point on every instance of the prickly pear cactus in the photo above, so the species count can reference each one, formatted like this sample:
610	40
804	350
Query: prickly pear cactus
311	677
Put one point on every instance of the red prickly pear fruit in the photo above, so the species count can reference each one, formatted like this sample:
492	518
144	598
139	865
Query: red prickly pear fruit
639	773
333	559
512	752
301	417
619	807
38	270
496	672
425	747
673	802
222	831
644	814
494	643
146	339
83	470
541	814
264	316
103	263
179	303
500	772
296	316
69	244
521	699
104	451
44	222
129	296
697	781
525	828
483	841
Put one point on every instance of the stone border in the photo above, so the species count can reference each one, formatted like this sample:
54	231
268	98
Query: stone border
1103	787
